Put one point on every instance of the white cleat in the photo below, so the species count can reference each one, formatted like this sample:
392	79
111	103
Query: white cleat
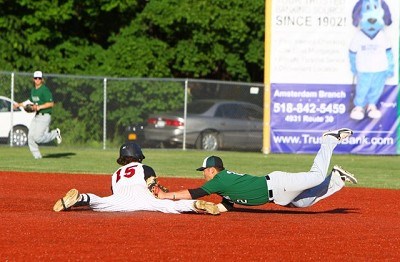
340	133
70	199
58	137
345	175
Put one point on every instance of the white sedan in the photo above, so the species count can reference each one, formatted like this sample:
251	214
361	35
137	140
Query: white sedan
21	122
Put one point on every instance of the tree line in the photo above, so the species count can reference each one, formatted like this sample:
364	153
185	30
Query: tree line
207	39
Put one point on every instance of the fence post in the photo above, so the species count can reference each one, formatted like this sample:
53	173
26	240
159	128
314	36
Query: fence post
104	112
184	115
12	110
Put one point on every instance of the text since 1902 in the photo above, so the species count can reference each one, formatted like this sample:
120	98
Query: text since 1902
305	21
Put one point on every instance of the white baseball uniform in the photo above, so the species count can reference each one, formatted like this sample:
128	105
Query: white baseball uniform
130	193
287	186
332	184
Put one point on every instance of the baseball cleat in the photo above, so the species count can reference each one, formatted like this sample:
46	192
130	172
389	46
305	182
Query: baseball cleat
58	137
67	201
206	207
345	175
340	133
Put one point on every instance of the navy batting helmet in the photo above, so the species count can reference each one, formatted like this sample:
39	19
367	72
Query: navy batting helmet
130	151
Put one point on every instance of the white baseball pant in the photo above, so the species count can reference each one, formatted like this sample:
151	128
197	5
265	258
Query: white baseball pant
139	199
39	133
287	186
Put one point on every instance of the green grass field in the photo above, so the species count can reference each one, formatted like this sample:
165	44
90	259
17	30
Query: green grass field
371	171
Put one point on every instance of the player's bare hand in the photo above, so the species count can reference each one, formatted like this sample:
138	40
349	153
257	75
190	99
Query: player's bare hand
161	194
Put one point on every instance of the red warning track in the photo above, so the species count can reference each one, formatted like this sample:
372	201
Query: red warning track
356	224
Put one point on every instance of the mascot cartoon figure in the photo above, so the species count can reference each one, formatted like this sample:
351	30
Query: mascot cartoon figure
371	56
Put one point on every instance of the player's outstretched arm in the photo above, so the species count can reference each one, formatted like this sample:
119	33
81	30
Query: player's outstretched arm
183	194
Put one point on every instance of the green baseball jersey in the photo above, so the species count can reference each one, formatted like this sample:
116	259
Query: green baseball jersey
241	189
40	96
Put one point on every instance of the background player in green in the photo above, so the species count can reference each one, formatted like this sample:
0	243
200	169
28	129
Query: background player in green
301	189
42	100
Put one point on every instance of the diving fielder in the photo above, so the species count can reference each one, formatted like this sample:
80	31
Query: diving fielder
282	188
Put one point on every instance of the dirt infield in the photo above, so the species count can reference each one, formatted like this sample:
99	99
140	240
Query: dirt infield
356	224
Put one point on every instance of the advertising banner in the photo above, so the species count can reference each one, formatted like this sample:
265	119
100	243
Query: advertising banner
334	63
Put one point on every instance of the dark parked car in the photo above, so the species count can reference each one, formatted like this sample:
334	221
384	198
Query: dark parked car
210	125
134	133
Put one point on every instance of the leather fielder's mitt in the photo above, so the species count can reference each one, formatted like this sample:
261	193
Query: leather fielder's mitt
154	187
29	108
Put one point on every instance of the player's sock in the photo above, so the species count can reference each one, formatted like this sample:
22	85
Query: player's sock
84	200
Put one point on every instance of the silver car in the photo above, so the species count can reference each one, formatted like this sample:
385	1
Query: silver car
210	125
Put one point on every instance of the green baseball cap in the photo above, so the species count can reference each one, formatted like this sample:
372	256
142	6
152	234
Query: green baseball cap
211	161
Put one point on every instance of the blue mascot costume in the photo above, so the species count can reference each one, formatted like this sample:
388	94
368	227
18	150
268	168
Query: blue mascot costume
371	56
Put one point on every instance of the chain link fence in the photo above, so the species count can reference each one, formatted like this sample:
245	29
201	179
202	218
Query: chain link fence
103	112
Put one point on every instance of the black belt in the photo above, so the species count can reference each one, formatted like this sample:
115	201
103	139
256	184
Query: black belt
43	114
270	193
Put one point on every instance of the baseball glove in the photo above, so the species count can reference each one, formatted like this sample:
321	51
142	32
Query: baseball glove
154	187
29	108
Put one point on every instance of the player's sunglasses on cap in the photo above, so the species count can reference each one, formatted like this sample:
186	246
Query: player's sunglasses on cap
211	161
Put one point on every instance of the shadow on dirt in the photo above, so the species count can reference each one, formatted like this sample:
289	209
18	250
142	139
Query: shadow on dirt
291	211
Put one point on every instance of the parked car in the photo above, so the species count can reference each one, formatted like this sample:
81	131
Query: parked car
210	125
134	133
21	122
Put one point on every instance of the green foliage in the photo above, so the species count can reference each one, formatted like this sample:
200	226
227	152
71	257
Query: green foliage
79	108
216	39
74	131
131	101
142	57
206	40
5	81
